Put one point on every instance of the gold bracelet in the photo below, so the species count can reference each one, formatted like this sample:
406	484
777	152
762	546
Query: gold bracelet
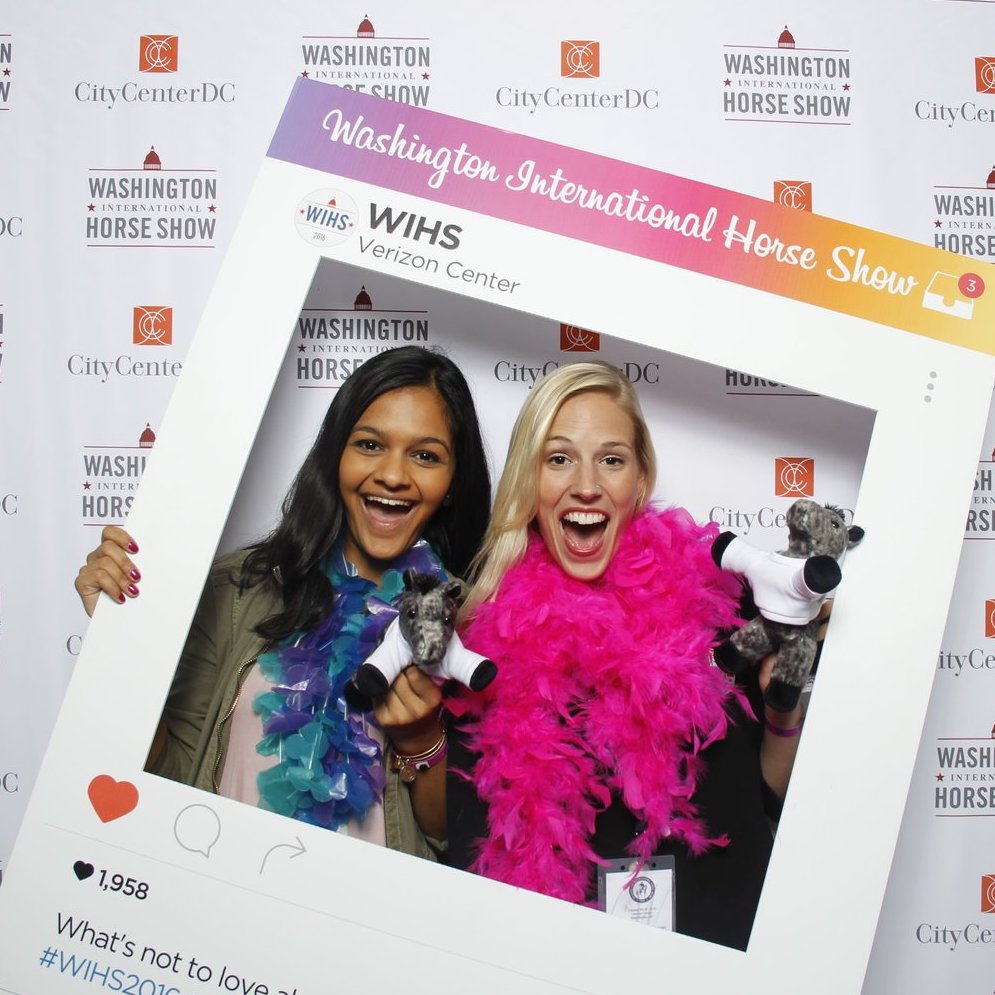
409	767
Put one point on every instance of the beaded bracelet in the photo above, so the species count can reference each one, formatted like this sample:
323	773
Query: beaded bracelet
409	767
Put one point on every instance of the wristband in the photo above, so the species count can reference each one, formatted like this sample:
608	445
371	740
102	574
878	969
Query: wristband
409	767
784	733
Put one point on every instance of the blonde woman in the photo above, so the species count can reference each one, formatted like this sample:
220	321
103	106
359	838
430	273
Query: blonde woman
609	732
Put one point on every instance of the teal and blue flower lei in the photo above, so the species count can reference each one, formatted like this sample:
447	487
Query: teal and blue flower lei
329	769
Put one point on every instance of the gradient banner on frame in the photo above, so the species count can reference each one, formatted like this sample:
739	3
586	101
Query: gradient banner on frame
640	211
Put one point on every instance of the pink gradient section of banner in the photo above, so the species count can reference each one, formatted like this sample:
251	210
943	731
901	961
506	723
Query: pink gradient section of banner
640	211
301	138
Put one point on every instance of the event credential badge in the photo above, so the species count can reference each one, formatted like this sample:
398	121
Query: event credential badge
643	894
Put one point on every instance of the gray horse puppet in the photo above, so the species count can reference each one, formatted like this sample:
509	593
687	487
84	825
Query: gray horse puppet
424	633
789	589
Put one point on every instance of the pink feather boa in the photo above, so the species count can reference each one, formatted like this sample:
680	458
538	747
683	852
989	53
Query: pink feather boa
601	687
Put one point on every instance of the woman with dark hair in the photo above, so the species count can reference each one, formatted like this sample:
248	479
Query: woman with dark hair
396	479
317	507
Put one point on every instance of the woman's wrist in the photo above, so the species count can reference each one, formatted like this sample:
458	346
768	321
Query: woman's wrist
415	740
409	766
784	724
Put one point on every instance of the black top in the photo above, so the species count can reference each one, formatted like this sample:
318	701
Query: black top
717	892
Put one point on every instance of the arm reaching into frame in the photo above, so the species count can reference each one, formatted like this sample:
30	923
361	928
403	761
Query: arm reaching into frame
109	569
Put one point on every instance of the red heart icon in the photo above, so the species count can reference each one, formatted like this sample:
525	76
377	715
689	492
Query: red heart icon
111	799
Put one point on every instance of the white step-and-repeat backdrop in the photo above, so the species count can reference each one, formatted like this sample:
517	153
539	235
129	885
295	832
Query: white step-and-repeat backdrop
130	134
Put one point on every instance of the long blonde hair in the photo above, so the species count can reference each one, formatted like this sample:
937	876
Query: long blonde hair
517	498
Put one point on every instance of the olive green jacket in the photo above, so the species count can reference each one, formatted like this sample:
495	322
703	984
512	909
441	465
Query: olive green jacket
219	652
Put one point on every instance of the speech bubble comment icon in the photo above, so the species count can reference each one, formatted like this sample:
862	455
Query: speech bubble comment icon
197	828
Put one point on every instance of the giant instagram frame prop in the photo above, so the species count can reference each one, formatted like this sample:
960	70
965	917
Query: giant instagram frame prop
845	312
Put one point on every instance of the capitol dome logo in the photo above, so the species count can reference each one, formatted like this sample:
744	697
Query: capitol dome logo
326	218
130	207
786	82
392	66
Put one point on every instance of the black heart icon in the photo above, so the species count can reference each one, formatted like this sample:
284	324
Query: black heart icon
82	869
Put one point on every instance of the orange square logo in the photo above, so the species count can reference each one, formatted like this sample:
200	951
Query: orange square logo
794	476
984	74
152	326
990	618
158	54
580	59
573	338
796	194
988	892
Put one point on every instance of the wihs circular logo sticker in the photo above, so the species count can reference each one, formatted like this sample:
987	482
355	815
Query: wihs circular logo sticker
326	217
642	890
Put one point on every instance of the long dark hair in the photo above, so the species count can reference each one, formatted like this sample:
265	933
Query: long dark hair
313	516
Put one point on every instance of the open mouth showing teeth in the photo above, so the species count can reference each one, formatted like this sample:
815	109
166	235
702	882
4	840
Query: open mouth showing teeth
386	505
584	530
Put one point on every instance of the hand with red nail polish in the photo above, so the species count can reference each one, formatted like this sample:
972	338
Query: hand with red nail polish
109	568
